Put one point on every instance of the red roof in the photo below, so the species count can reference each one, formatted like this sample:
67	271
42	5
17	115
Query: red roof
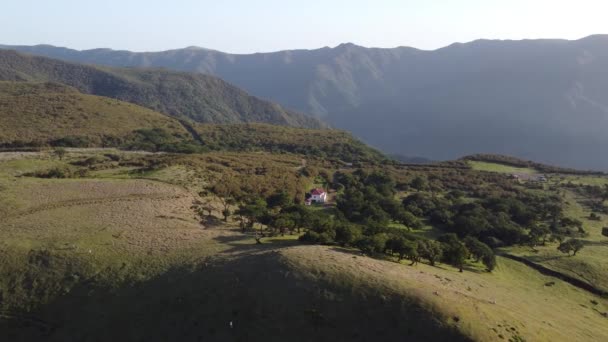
317	192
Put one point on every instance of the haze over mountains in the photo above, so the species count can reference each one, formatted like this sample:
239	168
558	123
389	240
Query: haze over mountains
545	100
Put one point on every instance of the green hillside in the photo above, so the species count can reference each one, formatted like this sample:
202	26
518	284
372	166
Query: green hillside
263	137
50	114
183	95
43	113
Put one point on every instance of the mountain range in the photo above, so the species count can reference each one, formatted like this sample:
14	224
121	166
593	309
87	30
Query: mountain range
545	100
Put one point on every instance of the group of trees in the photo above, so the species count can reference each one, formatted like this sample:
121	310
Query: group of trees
367	210
498	219
324	144
368	216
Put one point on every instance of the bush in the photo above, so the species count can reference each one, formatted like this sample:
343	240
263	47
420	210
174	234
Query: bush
373	244
72	141
348	234
572	245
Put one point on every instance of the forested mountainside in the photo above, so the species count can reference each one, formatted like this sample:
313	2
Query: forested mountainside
191	96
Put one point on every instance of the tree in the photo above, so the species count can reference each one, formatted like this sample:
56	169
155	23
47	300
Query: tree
408	219
301	215
60	152
419	183
489	261
572	245
253	211
481	251
226	212
282	222
347	233
478	249
430	250
404	248
321	230
538	234
373	244
410	250
226	191
204	209
279	199
454	251
459	255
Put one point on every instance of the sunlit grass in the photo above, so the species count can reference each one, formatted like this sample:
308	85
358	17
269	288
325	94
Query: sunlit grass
494	167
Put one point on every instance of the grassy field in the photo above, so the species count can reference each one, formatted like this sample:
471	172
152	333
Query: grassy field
494	167
119	254
509	304
589	265
584	180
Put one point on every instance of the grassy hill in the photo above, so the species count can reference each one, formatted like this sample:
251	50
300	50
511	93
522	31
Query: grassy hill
502	163
256	137
119	255
183	95
43	113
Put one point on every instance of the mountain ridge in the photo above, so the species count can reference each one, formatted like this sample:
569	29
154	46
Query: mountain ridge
603	36
535	99
196	97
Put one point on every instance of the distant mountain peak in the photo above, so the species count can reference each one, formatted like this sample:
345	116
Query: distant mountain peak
194	47
347	46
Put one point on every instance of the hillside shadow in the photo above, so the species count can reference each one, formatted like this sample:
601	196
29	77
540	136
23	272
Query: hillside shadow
252	298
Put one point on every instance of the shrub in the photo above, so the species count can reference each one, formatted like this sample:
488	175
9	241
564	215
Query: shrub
72	141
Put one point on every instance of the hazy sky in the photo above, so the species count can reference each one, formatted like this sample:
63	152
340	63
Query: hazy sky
244	26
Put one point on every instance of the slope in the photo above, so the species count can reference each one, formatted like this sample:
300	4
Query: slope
49	114
186	96
34	114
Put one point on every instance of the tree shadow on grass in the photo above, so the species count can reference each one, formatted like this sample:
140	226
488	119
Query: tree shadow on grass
473	269
244	243
544	258
357	253
596	243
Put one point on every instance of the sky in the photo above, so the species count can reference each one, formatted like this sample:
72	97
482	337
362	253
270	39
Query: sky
246	26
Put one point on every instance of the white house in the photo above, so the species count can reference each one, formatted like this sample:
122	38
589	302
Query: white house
318	196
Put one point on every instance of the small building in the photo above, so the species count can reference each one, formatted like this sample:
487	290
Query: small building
529	177
318	195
